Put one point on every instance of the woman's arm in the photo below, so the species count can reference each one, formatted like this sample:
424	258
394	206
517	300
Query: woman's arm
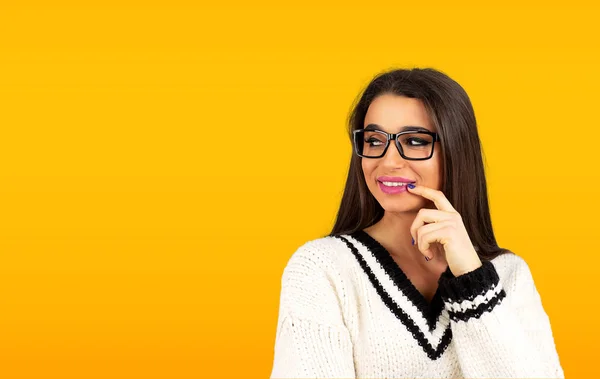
500	328
312	340
307	349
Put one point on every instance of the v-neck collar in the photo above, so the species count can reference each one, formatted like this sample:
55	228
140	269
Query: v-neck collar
430	311
428	323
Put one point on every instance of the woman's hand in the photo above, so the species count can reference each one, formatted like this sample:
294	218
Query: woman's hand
445	226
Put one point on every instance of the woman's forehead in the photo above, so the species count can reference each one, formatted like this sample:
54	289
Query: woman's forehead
393	114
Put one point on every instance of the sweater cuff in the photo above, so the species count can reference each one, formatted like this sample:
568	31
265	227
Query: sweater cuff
471	294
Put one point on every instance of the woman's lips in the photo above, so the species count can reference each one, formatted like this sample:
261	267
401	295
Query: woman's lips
390	189
394	179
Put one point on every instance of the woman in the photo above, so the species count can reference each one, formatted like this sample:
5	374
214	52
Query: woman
411	281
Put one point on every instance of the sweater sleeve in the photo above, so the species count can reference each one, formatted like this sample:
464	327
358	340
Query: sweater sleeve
312	340
500	328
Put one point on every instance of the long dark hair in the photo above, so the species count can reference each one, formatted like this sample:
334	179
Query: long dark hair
464	183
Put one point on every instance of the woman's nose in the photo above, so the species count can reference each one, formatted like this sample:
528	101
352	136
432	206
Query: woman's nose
392	156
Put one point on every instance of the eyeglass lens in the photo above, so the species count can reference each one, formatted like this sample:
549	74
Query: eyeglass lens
414	145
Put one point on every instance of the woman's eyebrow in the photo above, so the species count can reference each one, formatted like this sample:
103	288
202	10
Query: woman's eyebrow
404	128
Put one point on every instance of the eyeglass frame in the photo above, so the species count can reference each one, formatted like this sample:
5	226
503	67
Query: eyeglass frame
394	136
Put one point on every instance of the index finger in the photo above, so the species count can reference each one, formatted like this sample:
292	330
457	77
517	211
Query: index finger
438	197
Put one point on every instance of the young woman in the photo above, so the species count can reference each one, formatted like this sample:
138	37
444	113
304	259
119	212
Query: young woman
411	282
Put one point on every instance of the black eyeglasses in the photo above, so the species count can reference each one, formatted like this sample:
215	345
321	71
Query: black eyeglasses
412	145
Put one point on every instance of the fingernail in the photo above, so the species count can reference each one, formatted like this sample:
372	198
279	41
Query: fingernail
427	259
411	186
413	240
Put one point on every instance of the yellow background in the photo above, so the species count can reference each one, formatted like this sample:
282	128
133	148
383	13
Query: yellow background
156	173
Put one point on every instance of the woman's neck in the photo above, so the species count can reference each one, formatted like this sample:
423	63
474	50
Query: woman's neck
393	232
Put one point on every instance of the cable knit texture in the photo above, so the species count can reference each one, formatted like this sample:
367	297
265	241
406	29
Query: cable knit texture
347	310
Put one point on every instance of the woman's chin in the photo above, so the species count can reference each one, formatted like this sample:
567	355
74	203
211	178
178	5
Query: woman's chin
395	207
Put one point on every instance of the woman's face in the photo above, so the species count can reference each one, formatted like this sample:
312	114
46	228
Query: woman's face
391	113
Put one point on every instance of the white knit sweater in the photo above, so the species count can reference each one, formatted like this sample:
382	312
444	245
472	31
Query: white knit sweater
348	311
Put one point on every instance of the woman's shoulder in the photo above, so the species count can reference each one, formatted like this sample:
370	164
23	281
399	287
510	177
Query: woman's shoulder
512	270
318	255
313	283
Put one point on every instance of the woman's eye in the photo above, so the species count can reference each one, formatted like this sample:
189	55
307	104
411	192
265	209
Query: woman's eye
417	142
374	142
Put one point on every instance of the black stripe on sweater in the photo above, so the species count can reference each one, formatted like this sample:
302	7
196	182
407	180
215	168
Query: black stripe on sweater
431	311
469	285
488	306
432	353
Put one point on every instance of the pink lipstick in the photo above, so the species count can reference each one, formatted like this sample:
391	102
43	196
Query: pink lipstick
393	184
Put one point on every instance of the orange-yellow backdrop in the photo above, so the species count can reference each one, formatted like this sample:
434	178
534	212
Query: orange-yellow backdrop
156	174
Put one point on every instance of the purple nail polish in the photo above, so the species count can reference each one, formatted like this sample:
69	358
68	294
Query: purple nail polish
413	240
411	186
427	259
